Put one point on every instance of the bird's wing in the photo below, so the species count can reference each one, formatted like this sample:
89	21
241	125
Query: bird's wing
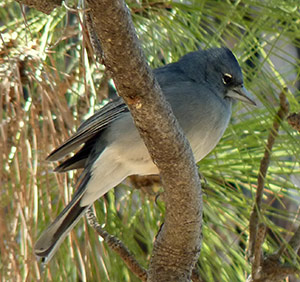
91	127
88	130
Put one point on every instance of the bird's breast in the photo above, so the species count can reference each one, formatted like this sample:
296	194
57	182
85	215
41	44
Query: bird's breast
206	134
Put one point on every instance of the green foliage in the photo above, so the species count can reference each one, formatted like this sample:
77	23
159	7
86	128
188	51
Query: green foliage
50	81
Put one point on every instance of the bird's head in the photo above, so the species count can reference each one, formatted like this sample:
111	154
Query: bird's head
223	71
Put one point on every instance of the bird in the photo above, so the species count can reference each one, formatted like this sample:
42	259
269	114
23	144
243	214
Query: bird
200	87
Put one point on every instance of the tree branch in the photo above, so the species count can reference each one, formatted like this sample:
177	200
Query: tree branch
269	268
258	255
177	246
293	243
264	165
116	245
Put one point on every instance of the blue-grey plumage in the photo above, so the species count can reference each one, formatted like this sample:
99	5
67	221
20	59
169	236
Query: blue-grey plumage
200	88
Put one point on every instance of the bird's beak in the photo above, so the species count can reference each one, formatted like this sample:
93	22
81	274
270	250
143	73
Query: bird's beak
241	93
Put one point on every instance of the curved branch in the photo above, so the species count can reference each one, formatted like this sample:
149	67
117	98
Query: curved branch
177	246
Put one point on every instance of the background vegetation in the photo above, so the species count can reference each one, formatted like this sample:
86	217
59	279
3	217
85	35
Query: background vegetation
50	81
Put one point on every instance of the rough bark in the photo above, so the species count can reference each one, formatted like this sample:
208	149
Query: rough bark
177	245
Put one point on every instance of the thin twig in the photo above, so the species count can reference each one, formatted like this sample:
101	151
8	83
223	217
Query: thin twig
264	165
272	270
116	245
295	240
257	255
294	243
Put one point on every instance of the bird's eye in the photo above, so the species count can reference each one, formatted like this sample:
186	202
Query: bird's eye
227	78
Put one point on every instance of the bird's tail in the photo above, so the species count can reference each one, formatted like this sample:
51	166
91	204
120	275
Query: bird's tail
53	236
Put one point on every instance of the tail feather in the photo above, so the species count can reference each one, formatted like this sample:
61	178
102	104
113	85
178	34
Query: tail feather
53	236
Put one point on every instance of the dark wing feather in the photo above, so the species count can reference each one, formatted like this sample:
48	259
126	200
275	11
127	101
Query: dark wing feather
79	159
89	129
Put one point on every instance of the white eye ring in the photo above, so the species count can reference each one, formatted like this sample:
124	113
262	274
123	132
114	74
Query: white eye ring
227	78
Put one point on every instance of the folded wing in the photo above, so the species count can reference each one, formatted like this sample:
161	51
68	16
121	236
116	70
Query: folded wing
88	133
